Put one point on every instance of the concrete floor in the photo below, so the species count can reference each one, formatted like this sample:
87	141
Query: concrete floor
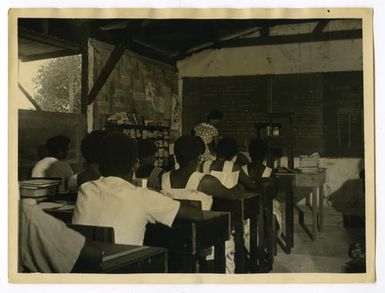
328	254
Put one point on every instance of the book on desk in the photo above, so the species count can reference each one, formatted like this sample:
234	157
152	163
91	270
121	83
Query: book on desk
38	189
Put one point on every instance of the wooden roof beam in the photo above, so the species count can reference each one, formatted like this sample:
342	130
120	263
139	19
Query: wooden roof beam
285	39
54	54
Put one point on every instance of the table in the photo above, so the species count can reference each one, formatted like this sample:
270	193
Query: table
63	215
123	259
316	182
285	183
185	240
243	208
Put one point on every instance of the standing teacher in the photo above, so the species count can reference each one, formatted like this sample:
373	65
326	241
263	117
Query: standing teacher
208	132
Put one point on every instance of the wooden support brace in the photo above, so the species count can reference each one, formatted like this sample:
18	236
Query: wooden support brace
29	97
113	59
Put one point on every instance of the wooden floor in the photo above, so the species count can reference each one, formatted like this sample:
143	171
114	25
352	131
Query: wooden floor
328	254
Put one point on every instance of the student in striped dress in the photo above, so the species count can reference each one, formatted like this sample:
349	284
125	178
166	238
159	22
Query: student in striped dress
227	149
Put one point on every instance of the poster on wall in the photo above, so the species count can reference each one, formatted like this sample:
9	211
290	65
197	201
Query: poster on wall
176	114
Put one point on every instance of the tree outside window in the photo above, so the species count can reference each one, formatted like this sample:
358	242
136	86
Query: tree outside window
56	83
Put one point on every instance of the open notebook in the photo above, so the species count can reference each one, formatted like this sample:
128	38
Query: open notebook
227	179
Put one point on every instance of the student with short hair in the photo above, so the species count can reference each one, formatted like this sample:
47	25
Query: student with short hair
90	149
227	149
113	201
53	165
146	169
256	168
187	182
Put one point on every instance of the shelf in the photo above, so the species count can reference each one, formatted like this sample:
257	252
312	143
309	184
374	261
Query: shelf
140	127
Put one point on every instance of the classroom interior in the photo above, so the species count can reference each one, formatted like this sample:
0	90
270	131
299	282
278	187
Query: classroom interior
297	84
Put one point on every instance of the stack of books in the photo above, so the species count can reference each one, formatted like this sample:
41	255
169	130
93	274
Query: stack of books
38	189
123	118
309	164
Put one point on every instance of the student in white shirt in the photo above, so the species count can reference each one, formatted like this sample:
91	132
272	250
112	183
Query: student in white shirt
53	166
113	201
90	149
47	245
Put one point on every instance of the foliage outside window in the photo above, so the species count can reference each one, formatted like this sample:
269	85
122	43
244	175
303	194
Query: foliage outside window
55	83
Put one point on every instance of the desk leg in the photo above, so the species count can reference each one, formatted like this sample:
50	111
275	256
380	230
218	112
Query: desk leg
240	266
255	257
289	221
315	213
220	258
321	207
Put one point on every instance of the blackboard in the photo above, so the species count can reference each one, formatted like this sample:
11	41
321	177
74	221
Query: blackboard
327	108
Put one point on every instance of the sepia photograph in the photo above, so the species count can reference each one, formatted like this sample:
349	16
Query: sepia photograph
226	144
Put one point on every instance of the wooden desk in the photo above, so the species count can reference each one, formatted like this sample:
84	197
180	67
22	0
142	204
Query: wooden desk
285	183
246	207
316	182
63	215
267	226
128	259
186	240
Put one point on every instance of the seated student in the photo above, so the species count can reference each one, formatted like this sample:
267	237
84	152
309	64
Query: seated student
47	245
53	166
146	169
258	152
113	201
241	159
227	149
257	170
90	149
187	182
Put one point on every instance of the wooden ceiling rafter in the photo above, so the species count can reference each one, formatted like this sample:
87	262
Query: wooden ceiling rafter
285	39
